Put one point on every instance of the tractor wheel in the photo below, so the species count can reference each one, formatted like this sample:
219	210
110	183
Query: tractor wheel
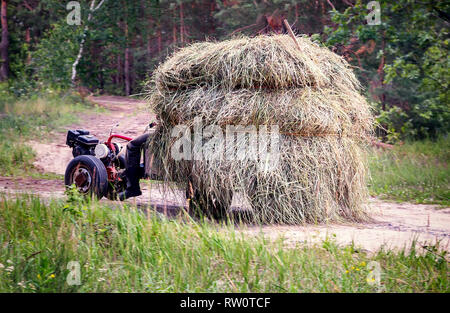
89	176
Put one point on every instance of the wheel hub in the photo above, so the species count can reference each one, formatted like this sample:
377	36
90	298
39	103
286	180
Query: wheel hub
82	179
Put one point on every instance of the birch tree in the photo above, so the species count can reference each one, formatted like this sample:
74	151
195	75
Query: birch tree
92	9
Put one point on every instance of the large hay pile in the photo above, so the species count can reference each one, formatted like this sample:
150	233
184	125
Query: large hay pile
310	93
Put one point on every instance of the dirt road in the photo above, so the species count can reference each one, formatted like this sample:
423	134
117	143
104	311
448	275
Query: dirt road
395	225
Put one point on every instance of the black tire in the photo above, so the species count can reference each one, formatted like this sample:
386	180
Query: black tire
89	175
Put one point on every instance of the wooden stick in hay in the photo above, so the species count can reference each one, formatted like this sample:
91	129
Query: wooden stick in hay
291	33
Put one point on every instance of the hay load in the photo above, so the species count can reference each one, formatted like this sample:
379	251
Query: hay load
305	100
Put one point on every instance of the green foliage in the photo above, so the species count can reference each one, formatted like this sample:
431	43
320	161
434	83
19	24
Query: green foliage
413	53
415	171
150	30
124	250
55	53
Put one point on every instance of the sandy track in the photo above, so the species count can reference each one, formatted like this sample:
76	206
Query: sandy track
395	225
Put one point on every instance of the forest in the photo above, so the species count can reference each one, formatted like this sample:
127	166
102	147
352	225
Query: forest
112	47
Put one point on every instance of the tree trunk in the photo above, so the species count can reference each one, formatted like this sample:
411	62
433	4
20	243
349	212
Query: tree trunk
126	63
97	52
174	28
28	41
92	9
4	45
181	23
126	71
158	26
151	24
73	78
159	39
211	20
148	56
119	72
381	73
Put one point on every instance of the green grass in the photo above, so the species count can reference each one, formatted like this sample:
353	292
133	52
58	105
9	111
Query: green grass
415	171
124	250
32	118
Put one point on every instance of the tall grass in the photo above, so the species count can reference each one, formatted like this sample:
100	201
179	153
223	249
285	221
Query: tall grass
125	250
22	119
415	171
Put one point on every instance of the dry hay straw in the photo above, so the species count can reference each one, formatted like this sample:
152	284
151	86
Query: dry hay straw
310	93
